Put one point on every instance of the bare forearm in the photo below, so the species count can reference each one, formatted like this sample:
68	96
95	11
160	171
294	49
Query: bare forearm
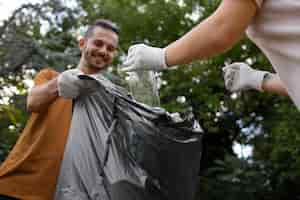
40	97
272	83
201	42
216	34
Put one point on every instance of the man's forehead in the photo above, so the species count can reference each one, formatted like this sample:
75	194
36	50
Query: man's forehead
106	34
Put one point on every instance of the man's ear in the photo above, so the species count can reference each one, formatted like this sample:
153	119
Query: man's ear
117	51
81	43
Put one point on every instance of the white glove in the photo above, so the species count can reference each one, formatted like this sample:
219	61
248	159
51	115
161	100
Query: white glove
142	57
70	86
239	76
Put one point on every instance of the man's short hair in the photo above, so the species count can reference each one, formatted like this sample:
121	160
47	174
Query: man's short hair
102	23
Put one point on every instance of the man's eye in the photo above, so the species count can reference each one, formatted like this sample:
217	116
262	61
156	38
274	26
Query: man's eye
111	48
99	43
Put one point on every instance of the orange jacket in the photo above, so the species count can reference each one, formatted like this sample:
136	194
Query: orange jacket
32	167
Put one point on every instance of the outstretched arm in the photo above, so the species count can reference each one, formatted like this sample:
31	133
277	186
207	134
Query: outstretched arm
272	83
214	35
240	76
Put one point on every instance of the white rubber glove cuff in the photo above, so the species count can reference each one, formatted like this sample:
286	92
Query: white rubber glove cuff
258	78
164	59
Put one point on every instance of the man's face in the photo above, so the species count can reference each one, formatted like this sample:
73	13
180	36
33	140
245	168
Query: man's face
99	49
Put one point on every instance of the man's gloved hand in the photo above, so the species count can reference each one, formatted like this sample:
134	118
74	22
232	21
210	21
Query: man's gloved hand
70	86
239	76
142	57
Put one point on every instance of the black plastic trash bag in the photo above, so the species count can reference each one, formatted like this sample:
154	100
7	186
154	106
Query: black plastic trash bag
114	140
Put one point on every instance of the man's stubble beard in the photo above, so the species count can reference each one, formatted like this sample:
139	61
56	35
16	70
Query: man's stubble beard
88	57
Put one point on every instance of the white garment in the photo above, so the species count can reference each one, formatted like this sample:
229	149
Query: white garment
276	31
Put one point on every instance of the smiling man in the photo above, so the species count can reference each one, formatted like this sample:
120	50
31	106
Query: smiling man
31	169
93	167
98	47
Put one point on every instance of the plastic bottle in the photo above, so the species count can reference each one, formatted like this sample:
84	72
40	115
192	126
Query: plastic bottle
143	85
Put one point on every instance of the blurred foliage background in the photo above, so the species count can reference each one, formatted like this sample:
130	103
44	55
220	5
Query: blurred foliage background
39	35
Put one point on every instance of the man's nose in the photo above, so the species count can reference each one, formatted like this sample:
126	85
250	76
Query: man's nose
103	50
